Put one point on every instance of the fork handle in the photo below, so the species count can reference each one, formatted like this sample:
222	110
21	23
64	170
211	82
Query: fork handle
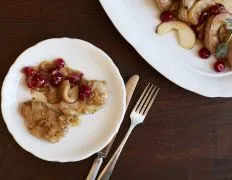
107	171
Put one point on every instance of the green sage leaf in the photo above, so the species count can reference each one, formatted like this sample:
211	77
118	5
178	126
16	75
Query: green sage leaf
229	21
228	24
222	50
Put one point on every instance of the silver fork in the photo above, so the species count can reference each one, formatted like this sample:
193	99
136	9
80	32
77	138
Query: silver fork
137	116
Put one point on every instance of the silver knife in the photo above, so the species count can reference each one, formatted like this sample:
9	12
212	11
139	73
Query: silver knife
130	87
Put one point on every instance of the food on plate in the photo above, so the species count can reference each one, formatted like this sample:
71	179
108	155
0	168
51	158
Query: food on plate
43	121
59	96
186	35
93	99
204	53
164	4
219	66
212	30
187	3
209	21
184	7
196	10
226	3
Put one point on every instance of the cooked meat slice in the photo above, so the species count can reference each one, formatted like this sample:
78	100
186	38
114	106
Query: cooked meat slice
43	121
197	9
50	95
229	57
99	94
78	108
26	111
53	95
175	6
213	26
39	96
164	4
223	33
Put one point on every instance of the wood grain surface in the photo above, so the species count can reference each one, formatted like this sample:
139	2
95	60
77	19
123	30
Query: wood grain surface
185	136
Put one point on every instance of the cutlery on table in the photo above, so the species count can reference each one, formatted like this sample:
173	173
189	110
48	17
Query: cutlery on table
130	87
137	116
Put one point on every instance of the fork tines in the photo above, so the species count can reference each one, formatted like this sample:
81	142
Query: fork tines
146	99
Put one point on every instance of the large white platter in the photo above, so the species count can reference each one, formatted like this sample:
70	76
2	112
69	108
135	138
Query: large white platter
94	131
137	20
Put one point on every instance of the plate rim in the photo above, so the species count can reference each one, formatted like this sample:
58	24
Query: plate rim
139	43
100	147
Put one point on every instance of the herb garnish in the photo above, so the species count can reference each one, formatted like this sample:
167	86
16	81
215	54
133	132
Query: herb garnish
223	48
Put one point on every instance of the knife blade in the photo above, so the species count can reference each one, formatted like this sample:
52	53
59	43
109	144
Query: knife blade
130	87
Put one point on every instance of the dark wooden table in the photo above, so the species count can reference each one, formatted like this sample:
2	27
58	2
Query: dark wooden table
185	137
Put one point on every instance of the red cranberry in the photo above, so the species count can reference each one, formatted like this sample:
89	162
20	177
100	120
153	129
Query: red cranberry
216	9
31	83
85	92
45	77
75	78
166	16
59	63
81	96
219	66
56	78
40	79
36	81
29	71
204	53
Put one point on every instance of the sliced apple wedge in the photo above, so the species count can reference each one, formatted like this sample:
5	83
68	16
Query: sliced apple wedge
187	37
197	9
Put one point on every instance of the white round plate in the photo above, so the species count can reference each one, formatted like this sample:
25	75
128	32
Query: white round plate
95	131
137	21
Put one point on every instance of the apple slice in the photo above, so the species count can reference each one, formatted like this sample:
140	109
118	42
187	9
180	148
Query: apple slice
197	9
187	37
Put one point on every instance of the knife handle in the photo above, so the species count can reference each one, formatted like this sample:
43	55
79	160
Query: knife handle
130	87
95	168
